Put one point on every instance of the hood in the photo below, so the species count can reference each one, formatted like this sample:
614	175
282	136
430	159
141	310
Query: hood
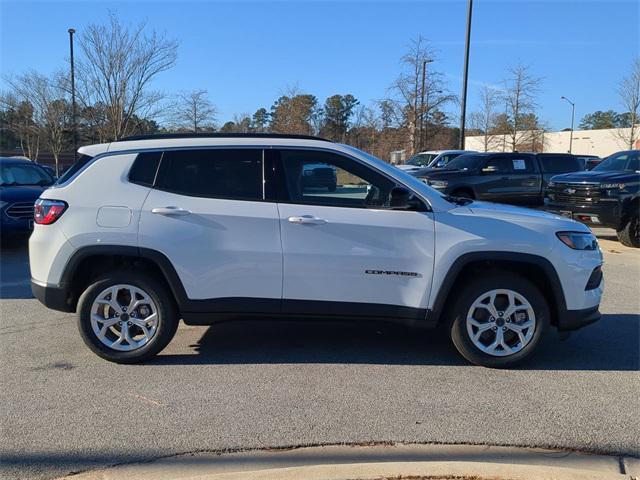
528	216
591	176
17	193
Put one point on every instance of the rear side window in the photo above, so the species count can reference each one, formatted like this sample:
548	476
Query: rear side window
216	173
145	166
560	163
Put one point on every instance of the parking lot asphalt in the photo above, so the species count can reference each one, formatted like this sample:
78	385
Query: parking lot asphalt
266	384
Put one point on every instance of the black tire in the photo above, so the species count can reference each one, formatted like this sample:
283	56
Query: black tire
166	309
629	234
474	289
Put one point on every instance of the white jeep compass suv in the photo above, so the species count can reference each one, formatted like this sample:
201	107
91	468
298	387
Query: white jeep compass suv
146	231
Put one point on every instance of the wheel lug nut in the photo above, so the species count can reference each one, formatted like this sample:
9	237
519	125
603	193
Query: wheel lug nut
504	329
491	319
494	328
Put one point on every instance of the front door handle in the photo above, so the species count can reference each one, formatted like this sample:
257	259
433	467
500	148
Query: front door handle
308	220
175	211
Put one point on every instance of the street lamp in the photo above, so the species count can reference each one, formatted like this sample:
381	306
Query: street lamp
465	76
73	98
573	115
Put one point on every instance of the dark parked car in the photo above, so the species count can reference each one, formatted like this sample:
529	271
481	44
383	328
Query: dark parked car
607	196
21	183
519	178
319	175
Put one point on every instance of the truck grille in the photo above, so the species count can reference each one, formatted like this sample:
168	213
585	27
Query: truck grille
574	193
20	210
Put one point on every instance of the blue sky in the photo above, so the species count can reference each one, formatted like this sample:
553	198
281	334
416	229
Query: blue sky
247	53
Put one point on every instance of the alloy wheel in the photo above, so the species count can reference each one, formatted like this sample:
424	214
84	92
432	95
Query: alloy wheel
124	317
501	322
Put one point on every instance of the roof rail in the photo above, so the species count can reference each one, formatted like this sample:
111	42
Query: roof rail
220	135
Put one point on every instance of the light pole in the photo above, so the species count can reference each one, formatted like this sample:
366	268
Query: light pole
73	98
573	115
465	76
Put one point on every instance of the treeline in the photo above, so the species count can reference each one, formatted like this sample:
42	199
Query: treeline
116	65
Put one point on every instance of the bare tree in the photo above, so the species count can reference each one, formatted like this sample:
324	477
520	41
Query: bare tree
193	110
416	93
485	119
629	94
116	68
50	111
521	90
19	113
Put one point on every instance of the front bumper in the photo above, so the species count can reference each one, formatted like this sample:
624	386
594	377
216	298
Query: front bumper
55	298
601	214
575	319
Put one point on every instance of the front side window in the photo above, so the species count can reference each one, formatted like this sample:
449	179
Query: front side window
24	174
500	164
216	173
323	178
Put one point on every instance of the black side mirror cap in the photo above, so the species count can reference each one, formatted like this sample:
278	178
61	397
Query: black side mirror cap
402	199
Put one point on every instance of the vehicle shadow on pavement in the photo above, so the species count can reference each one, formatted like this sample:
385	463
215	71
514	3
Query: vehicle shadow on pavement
14	268
611	344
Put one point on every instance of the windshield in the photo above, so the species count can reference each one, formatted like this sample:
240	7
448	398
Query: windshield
421	159
466	161
623	161
27	174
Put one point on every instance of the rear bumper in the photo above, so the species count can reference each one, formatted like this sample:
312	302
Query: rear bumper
54	298
575	319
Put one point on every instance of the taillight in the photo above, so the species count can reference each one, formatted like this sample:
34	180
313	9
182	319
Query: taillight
45	212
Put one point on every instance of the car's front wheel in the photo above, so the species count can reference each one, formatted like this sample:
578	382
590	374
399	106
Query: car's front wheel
629	234
127	317
498	320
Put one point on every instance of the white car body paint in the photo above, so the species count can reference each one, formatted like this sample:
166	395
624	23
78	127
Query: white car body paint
228	248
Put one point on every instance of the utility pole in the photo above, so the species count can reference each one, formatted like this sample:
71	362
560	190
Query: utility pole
73	99
573	116
465	76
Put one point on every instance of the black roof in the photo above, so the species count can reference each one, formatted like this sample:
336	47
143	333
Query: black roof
220	135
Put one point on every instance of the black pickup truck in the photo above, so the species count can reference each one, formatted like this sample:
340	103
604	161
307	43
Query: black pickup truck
518	178
607	196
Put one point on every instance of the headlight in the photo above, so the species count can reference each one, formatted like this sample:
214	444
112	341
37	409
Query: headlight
612	186
551	184
438	183
578	240
2	204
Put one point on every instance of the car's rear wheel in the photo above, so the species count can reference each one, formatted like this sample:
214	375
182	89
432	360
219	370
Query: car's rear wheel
629	234
498	320
127	317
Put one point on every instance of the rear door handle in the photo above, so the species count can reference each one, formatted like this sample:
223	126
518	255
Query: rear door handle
175	211
308	220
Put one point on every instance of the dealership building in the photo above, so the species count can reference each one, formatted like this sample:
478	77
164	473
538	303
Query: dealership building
584	142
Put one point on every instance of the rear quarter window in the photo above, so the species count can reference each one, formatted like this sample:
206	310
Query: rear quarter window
144	168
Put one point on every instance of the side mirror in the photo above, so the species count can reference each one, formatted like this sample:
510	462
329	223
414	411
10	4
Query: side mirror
402	199
490	169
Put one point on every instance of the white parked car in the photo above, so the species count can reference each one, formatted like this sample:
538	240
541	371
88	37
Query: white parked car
431	159
146	231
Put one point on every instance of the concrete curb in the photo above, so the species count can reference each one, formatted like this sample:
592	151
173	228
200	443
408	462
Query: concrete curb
342	462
